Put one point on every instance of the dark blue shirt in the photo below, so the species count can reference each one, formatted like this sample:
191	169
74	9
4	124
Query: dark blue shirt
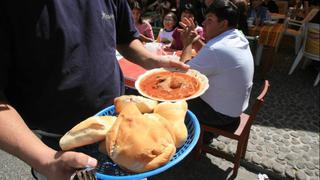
57	58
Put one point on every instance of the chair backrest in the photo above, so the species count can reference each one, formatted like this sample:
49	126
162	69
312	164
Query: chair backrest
301	24
258	103
311	43
310	15
283	6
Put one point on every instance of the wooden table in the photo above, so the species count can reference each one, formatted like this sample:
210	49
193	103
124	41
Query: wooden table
277	16
269	38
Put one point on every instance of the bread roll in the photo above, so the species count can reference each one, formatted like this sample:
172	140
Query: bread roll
175	112
139	142
89	131
145	105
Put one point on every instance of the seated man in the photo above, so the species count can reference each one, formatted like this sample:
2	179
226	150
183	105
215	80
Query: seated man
226	60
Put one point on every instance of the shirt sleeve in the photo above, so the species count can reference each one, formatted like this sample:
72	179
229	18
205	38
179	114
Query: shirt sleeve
126	30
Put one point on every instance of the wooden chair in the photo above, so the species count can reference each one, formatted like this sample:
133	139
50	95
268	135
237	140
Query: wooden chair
240	133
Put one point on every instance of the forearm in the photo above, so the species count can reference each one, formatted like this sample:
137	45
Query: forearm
17	139
136	53
144	38
198	45
186	53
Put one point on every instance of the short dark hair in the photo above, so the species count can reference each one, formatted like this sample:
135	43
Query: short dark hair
189	8
224	10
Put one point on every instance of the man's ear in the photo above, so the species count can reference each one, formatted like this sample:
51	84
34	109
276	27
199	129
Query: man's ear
225	24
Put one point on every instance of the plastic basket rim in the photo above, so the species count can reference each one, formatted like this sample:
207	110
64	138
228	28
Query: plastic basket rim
161	169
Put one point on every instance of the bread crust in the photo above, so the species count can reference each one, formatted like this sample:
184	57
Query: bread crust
89	131
175	112
139	142
144	105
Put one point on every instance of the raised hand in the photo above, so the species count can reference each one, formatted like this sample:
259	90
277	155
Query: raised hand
188	34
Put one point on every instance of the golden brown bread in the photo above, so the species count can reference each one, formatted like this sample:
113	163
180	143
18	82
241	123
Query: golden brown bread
145	105
89	131
139	142
175	112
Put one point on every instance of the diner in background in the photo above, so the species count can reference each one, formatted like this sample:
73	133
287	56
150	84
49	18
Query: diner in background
259	13
187	11
226	60
144	27
169	25
243	15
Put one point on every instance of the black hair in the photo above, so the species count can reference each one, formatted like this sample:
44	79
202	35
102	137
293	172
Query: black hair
189	8
225	10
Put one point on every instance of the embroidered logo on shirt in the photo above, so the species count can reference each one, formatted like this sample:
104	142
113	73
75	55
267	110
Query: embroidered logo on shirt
106	17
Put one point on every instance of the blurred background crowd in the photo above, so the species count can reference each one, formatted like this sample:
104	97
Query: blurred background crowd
157	20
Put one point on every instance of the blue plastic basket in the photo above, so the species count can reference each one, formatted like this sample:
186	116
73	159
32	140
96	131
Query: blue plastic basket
107	170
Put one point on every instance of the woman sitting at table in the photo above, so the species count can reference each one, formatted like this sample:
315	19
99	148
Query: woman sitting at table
187	11
144	27
259	13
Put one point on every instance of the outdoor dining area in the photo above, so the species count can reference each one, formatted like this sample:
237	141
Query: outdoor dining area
274	98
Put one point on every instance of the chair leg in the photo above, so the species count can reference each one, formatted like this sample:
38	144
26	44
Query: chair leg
297	44
278	42
296	61
317	80
238	157
258	54
244	149
198	148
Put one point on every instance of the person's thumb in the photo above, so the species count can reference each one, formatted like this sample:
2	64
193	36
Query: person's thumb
78	160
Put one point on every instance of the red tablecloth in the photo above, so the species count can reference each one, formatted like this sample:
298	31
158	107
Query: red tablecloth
130	71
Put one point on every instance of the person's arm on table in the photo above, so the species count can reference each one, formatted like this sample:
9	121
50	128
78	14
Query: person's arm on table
137	53
17	139
144	38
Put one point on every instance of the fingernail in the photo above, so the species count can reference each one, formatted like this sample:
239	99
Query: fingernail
92	162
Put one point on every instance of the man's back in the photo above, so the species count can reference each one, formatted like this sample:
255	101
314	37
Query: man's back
228	63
